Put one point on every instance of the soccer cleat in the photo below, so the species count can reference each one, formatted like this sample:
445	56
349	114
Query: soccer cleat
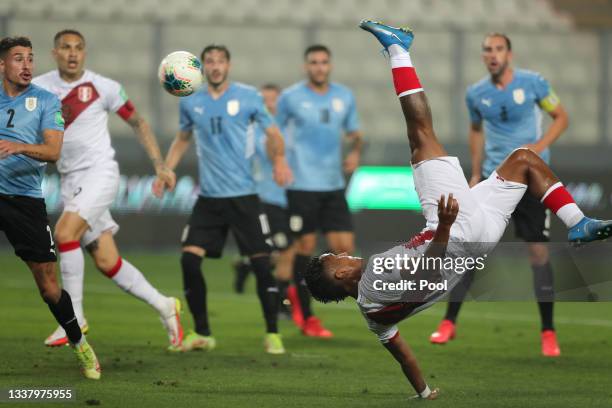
90	367
171	319
445	332
273	344
314	328
588	230
550	347
58	337
388	35
296	309
194	341
241	271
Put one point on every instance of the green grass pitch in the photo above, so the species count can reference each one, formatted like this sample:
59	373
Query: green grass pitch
495	361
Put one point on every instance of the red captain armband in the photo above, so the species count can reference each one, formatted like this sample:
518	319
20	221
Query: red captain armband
127	110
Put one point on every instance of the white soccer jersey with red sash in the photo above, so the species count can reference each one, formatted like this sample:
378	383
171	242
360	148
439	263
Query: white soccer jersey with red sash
85	107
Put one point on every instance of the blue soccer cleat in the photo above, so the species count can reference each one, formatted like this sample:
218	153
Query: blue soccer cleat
589	229
388	35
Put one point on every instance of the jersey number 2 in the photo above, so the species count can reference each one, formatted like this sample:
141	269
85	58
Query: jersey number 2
9	123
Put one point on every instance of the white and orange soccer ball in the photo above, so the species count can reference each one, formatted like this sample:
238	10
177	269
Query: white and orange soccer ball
180	73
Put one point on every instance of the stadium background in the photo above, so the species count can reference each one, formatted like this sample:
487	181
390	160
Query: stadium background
126	41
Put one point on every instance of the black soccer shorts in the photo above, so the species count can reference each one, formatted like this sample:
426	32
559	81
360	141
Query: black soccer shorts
310	211
278	219
531	220
212	218
26	225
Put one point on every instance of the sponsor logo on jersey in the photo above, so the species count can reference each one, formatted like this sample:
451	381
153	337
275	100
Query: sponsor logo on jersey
519	96
85	93
233	107
199	110
337	105
31	103
486	102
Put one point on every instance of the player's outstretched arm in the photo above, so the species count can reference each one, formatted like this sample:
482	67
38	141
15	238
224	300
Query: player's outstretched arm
407	360
175	154
275	147
149	142
49	151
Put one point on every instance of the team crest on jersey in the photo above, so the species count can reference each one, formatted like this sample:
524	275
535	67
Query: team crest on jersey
31	103
233	107
519	96
338	105
85	93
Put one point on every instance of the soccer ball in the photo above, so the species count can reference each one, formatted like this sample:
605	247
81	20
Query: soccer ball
179	73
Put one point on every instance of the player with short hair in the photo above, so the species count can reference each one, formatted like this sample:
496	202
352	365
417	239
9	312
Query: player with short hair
505	107
221	116
470	222
274	204
90	181
31	134
315	114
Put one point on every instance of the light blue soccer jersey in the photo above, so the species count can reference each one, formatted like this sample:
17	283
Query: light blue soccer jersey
225	145
512	116
313	125
269	192
23	120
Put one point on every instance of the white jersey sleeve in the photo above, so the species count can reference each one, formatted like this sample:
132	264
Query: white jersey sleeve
114	96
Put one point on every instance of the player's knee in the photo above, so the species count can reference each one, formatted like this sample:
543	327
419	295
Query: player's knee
523	155
538	254
63	235
306	244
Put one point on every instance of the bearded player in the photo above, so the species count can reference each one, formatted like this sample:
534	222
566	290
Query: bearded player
90	181
470	221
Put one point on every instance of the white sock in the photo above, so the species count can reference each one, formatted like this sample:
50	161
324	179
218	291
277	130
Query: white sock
72	267
133	281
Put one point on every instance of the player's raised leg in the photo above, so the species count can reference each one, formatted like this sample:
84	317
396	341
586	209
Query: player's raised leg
108	260
60	304
397	41
526	167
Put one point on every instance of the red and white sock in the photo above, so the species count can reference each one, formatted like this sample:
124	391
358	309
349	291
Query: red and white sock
130	279
72	267
561	202
405	79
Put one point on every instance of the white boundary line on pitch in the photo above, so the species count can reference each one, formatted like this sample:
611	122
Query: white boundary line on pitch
112	290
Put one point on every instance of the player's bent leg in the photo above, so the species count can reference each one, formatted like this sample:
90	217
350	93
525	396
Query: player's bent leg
60	305
298	295
526	167
108	260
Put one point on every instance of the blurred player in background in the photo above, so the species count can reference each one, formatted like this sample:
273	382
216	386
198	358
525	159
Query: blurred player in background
505	108
90	181
274	203
470	222
31	134
221	116
315	114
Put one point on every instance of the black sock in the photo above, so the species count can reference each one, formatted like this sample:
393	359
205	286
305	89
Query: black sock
195	291
267	291
300	264
543	284
64	314
458	295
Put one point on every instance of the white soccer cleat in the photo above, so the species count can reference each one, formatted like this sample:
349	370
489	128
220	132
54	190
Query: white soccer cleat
171	319
58	337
